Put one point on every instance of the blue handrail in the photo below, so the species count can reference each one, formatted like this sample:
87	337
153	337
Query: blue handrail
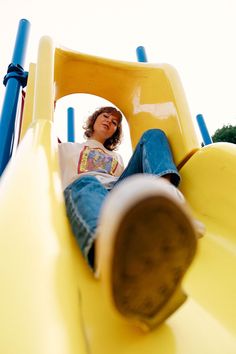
15	78
203	129
70	125
141	54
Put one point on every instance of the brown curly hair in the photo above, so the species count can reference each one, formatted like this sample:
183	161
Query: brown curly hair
115	139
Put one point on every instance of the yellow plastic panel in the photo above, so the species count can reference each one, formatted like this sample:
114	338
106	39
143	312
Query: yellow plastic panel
39	101
150	96
209	183
44	86
29	101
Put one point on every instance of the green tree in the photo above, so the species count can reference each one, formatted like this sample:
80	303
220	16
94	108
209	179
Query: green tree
227	133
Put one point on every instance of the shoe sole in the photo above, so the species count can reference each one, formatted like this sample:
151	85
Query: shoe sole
154	245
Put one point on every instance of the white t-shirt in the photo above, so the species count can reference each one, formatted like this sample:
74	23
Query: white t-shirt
89	158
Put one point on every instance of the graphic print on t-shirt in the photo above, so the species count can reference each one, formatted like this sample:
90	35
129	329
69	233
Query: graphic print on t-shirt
95	159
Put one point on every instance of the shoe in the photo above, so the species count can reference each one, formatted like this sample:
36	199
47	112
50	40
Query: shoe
147	243
199	226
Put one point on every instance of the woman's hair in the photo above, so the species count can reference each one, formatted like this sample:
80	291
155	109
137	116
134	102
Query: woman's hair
115	139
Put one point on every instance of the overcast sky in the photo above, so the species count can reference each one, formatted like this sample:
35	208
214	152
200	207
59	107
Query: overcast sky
197	37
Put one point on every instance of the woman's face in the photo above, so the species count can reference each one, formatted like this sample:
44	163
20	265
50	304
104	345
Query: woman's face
104	127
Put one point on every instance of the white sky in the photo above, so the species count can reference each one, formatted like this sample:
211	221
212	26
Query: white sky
197	37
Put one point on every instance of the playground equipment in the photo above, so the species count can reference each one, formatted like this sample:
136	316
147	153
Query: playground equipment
203	129
16	77
70	124
50	301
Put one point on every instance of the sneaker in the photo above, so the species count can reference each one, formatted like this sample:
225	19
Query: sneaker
199	226
147	243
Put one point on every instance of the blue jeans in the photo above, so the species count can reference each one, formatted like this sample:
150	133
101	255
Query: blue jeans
84	197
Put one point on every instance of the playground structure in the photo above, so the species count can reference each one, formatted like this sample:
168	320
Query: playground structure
50	301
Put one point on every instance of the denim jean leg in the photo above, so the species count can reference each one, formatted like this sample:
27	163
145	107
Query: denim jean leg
152	155
84	198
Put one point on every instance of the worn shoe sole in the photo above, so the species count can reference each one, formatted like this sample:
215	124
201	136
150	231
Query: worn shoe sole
154	245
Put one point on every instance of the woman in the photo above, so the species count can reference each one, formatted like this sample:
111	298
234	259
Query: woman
153	239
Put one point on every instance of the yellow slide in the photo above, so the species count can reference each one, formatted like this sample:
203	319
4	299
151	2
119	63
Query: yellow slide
50	302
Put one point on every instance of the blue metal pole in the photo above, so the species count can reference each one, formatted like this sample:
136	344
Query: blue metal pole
15	78
203	129
19	52
70	125
141	54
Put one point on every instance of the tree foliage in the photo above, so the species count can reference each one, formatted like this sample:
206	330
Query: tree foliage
227	133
